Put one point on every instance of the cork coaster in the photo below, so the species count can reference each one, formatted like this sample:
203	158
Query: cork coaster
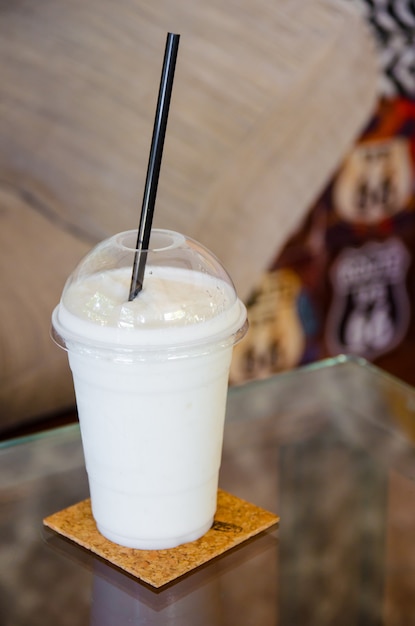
235	521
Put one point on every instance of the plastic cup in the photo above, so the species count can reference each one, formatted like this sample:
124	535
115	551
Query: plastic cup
151	379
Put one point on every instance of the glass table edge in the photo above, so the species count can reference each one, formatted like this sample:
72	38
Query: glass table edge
70	429
330	362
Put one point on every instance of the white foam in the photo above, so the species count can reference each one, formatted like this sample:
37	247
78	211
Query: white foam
175	307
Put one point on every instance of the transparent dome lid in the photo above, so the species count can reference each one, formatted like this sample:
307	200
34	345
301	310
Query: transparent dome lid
187	296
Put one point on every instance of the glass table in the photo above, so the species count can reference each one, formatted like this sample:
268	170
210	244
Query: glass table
328	447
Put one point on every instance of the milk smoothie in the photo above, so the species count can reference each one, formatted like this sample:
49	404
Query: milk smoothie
151	379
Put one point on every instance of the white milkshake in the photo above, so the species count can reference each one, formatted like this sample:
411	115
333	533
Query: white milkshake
151	380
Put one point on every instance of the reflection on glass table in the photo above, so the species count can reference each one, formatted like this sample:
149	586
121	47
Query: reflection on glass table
328	447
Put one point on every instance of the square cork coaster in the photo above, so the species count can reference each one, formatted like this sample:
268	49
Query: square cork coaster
235	522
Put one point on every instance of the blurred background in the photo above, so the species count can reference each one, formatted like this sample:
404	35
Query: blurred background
289	153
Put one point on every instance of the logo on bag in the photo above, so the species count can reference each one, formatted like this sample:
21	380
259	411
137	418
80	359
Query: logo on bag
375	181
276	339
370	311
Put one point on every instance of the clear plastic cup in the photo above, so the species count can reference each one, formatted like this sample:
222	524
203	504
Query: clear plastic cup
151	379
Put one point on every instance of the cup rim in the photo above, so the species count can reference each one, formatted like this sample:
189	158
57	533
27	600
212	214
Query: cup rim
72	342
173	240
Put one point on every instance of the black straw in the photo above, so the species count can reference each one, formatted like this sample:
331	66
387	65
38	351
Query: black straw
154	163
